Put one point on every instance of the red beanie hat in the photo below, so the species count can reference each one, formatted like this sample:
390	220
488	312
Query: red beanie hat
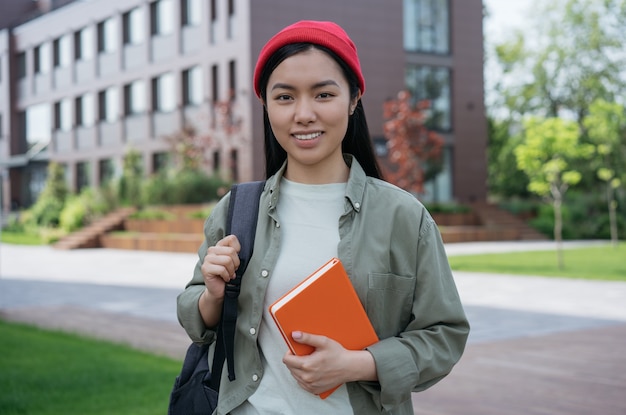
327	34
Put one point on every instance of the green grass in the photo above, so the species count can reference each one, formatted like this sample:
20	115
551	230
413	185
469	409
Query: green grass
20	238
50	373
595	263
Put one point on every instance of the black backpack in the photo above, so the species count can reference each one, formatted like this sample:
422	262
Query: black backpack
196	389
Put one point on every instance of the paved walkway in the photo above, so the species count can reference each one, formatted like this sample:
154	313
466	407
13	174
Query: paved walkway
538	345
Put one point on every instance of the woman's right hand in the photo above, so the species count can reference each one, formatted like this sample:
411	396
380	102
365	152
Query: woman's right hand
220	264
218	267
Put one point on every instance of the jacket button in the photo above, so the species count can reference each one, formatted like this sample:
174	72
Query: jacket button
264	273
252	331
255	378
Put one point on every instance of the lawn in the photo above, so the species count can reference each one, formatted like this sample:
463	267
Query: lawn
603	262
50	373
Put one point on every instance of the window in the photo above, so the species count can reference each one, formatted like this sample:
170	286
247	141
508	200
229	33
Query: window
107	36
234	163
135	98
192	86
108	105
160	161
83	44
231	19
217	161
21	65
85	110
163	93
232	79
106	170
63	115
213	21
82	175
133	30
42	58
161	17
213	11
215	83
37	123
427	26
433	84
190	12
62	51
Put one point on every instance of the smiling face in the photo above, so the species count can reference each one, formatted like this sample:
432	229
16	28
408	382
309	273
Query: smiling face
308	105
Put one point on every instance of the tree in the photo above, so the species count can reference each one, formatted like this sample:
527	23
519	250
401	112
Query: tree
503	180
130	182
572	56
47	209
550	146
606	127
190	147
414	151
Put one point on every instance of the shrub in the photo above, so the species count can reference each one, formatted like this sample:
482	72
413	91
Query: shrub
184	187
448	208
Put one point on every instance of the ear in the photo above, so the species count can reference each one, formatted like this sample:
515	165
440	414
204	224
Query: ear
354	102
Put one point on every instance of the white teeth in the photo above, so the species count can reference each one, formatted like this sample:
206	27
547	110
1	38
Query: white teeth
307	136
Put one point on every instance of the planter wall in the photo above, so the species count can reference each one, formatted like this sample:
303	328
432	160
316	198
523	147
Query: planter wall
456	219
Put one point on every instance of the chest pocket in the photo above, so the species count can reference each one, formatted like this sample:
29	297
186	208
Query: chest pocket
389	303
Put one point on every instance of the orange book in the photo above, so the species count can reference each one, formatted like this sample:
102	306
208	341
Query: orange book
324	303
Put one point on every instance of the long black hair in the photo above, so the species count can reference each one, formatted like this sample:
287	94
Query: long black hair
357	140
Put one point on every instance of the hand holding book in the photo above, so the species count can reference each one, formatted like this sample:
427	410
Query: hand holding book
325	303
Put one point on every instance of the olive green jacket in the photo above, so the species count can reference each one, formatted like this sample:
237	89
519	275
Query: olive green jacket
394	255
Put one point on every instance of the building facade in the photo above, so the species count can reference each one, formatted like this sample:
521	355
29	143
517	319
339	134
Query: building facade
84	82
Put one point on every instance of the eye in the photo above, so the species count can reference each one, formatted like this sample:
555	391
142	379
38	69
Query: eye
325	95
282	97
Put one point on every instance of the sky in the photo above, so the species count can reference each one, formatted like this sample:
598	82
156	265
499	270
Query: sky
504	15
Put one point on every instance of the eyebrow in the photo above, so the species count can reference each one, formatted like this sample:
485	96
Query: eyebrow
321	84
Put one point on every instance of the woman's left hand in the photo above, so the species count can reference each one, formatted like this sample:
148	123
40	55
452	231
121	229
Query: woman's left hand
329	365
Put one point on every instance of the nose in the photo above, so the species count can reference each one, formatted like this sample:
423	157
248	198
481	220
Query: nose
304	111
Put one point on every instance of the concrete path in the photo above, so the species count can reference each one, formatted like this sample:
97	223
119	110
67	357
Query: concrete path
538	345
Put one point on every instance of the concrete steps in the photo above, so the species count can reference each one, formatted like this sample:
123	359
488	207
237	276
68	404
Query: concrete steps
493	217
89	236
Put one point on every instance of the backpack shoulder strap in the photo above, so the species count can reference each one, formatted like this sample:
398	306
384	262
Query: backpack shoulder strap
241	221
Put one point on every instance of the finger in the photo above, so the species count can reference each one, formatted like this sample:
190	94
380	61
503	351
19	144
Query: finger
310	339
230	241
220	264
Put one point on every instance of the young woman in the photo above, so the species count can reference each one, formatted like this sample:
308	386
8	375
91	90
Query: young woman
324	197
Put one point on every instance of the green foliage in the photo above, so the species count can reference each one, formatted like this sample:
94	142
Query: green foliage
82	209
584	217
19	238
47	209
203	213
184	187
132	176
504	181
73	214
447	208
49	373
550	145
570	57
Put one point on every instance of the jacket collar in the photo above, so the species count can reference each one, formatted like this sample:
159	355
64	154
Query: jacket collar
354	191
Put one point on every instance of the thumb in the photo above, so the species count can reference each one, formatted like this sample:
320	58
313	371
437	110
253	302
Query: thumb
308	338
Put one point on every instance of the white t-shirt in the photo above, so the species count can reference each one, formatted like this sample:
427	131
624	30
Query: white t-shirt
309	224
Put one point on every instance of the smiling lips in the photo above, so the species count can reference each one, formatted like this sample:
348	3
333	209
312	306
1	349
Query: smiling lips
309	136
